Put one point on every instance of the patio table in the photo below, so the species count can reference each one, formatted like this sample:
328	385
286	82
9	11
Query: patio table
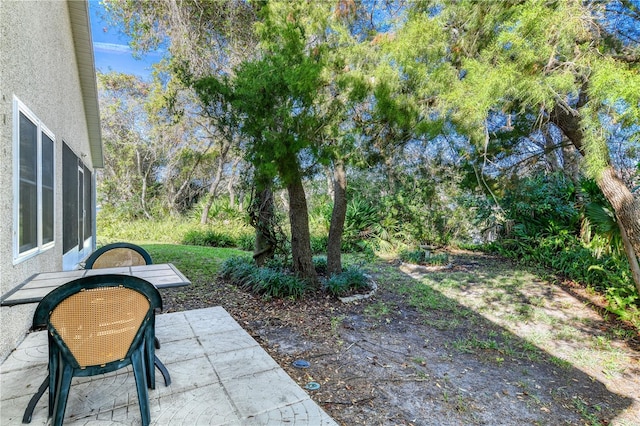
34	288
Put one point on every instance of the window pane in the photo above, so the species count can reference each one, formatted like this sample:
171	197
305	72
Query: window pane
28	150
28	229
69	199
88	211
28	209
47	189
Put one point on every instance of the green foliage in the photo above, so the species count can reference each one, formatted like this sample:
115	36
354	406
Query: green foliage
422	257
268	282
320	264
178	230
351	279
219	211
246	241
541	204
208	237
547	232
319	243
566	255
361	222
199	264
112	228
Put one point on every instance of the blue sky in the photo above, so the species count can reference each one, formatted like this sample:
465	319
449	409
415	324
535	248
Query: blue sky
111	49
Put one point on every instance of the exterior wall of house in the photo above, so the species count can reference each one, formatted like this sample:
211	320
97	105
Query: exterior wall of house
37	66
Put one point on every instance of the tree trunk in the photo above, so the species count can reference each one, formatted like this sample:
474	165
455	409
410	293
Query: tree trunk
231	183
334	262
261	216
211	194
300	236
264	248
626	208
633	259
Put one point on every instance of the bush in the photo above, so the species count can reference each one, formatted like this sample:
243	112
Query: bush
319	243
566	255
320	264
350	280
209	238
246	241
266	281
420	257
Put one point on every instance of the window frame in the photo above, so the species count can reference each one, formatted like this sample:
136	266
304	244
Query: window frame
20	108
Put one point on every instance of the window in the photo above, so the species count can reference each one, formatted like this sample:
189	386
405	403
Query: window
34	167
77	202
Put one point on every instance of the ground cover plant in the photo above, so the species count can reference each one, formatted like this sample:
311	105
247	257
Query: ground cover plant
479	341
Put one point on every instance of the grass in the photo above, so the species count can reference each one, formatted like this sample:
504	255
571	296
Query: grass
196	262
508	299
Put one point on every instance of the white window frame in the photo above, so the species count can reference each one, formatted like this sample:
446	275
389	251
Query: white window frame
21	108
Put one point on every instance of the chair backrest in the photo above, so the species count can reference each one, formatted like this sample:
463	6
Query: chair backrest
98	319
118	254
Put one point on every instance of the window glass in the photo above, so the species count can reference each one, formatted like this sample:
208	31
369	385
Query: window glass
69	199
47	189
34	170
28	208
88	211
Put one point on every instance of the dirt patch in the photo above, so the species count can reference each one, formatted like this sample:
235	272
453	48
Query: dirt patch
481	342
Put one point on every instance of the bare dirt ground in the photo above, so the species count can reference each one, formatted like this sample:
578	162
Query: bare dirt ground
480	342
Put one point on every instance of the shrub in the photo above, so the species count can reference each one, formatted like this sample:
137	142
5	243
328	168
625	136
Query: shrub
319	243
350	280
420	257
211	238
265	281
246	241
320	264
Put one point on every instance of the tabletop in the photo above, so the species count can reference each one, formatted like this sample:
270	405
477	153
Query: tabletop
34	288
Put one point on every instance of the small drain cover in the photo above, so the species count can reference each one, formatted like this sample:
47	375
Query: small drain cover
312	386
301	363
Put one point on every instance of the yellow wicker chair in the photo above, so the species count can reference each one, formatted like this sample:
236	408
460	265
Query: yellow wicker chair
127	254
96	325
118	254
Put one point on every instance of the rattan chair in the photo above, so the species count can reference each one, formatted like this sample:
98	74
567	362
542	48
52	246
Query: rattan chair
118	254
127	254
96	325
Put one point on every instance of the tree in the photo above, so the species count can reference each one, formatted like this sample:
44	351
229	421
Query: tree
208	38
568	62
132	155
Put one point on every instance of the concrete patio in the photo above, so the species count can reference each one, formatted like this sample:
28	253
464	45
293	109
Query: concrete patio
220	376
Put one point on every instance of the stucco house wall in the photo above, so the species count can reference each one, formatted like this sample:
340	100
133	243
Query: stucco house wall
46	65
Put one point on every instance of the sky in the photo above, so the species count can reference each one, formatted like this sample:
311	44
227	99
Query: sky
111	49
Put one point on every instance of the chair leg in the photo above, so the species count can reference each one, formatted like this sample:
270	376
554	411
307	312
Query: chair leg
138	362
28	412
62	393
149	358
165	373
54	363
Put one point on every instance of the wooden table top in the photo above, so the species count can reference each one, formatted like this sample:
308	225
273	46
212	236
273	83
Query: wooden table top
34	288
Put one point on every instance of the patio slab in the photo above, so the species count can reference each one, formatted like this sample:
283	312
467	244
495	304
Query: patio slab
220	376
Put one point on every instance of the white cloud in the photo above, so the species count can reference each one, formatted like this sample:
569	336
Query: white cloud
111	47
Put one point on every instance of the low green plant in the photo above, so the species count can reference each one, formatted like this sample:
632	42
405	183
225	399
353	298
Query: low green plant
351	279
320	264
208	237
422	257
268	282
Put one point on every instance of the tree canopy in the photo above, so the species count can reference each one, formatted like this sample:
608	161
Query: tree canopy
441	104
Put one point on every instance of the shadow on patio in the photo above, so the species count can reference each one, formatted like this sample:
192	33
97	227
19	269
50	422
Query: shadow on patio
220	376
